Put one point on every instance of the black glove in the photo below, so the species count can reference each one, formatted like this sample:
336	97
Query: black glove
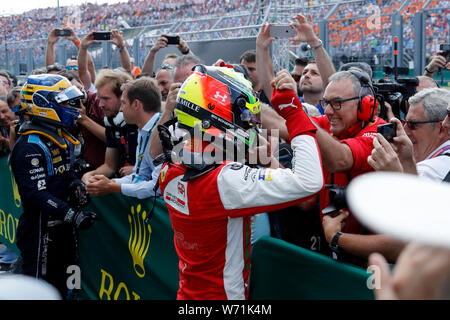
81	220
78	196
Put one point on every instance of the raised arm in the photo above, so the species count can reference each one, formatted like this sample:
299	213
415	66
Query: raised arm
305	33
117	39
50	49
263	59
90	74
150	59
83	59
438	61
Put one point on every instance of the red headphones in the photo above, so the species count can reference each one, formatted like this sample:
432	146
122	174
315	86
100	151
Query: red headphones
367	103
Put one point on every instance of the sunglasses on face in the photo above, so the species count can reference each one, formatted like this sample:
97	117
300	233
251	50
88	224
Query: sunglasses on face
336	104
412	125
166	67
72	67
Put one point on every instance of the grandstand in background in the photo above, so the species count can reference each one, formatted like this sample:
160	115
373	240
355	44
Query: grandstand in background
356	30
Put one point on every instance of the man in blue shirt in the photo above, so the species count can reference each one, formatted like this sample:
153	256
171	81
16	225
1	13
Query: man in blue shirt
141	105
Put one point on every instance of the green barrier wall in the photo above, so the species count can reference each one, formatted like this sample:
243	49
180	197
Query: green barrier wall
283	271
10	206
123	257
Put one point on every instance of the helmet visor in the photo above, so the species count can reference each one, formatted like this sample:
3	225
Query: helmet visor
253	119
71	93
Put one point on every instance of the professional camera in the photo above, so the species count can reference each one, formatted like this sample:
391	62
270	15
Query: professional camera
396	92
338	199
80	167
445	47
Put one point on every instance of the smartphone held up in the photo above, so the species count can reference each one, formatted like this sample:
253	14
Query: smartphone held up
62	32
102	35
282	31
173	39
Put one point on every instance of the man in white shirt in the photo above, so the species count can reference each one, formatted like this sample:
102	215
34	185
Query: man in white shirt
425	127
141	105
423	147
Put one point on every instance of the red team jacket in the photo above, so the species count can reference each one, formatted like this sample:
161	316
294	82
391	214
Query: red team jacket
210	216
360	141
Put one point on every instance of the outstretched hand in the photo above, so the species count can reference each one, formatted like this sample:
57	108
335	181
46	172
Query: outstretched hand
264	40
305	30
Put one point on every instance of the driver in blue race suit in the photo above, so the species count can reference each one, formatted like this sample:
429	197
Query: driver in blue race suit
51	194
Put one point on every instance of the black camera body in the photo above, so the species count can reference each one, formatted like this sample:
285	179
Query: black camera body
338	200
446	48
396	93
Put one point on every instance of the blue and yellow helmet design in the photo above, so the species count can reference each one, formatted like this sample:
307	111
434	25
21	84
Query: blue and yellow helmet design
51	98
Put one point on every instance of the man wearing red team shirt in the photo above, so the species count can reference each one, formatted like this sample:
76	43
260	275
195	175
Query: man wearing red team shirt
345	141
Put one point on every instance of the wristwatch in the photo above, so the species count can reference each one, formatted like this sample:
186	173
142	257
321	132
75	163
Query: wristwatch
318	46
334	242
428	70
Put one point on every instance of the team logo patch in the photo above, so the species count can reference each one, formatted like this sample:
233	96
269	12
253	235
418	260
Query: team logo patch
57	159
266	175
175	195
181	189
370	134
41	185
236	166
220	97
35	162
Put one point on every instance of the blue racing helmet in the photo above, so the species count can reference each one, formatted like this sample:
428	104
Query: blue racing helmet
52	99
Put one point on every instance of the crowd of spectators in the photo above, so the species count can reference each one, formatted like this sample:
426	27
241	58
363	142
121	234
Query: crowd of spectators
355	29
33	24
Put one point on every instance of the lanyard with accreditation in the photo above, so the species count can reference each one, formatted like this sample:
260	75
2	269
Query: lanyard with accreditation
142	147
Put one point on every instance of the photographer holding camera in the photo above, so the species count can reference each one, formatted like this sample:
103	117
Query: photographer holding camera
425	138
439	61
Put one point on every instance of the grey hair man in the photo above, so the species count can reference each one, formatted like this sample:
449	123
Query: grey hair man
425	127
183	66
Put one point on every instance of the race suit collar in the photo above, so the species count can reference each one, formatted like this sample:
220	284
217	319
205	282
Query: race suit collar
60	136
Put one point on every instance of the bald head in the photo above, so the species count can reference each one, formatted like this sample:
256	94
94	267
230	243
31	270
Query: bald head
425	82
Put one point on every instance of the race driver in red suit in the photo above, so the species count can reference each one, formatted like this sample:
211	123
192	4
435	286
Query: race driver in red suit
210	204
